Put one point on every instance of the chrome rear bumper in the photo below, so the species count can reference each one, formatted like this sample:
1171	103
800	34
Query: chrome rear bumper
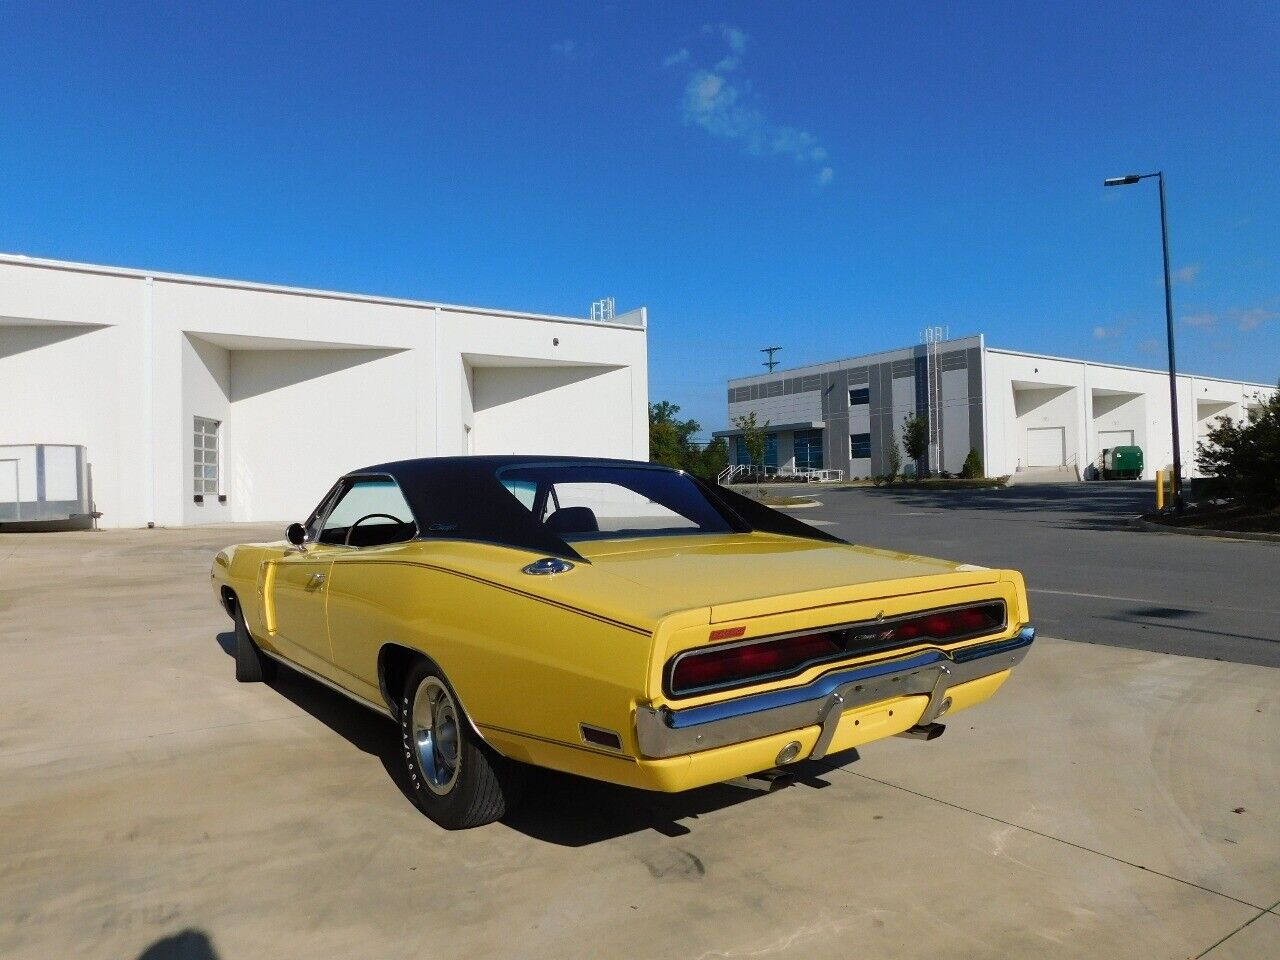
670	733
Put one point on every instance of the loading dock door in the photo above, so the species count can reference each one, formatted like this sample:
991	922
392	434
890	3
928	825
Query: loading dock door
1046	446
1114	438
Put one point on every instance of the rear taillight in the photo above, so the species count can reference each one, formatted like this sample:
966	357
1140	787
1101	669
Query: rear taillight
950	624
734	664
727	665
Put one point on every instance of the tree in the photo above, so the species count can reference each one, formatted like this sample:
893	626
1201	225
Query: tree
915	438
972	469
1245	455
670	438
893	457
712	458
754	435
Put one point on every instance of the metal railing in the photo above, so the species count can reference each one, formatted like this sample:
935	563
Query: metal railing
736	472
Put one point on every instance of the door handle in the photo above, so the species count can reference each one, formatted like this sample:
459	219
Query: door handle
315	580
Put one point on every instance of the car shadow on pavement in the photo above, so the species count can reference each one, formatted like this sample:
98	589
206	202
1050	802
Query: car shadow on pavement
558	808
571	811
369	732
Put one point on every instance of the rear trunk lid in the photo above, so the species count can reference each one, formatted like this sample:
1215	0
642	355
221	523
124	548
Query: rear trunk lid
742	576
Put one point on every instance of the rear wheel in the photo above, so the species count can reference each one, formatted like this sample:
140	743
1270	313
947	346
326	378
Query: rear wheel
456	779
252	665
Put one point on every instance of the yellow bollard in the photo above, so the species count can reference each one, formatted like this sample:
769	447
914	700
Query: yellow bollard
1159	490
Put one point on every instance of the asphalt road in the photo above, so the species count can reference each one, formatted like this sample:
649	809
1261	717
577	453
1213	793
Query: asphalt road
1091	578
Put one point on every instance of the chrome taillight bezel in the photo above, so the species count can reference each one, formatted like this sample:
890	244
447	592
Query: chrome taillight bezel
877	626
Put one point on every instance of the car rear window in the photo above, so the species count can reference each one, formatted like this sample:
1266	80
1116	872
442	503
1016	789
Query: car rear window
590	502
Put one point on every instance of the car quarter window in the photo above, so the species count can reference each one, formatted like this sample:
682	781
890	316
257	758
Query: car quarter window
526	491
389	519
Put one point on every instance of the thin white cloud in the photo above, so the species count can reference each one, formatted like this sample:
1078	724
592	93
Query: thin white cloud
565	48
1151	346
1106	333
1202	320
735	38
1244	319
722	104
1253	318
1186	274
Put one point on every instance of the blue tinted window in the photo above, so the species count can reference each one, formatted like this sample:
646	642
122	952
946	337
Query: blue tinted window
742	456
859	396
860	445
808	447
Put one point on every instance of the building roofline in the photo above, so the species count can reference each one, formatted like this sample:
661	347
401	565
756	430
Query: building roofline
860	356
1122	366
982	344
72	266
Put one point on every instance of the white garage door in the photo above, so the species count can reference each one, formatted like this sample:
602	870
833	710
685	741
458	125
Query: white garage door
1114	438
1046	446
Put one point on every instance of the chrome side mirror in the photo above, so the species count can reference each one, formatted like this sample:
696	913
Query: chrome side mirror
296	534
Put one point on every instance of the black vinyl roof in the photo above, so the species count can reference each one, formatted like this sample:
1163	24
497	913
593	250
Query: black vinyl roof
462	498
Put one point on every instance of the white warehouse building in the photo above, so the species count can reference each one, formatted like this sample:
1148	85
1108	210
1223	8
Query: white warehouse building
185	400
1025	413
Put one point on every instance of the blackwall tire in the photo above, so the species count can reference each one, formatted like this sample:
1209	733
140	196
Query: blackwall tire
252	665
454	777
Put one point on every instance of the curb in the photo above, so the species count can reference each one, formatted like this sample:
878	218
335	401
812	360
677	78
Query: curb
1153	527
799	506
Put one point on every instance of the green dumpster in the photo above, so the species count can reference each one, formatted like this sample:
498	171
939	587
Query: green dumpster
1122	463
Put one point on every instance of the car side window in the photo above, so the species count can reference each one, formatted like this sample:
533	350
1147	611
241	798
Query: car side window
369	513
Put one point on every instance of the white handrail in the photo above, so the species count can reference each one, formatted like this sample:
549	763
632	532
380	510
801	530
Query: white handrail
728	473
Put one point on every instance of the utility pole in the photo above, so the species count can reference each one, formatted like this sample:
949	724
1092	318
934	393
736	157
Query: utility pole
1168	320
770	363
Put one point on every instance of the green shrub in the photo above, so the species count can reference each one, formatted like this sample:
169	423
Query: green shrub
1245	455
972	469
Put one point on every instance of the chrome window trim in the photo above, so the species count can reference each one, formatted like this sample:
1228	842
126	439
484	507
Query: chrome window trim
669	670
663	732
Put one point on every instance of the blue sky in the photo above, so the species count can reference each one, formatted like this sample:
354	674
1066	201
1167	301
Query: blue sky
826	177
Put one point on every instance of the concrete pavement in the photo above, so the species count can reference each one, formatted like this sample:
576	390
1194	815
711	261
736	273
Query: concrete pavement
151	803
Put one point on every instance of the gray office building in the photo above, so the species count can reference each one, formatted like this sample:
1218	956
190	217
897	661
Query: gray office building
1022	412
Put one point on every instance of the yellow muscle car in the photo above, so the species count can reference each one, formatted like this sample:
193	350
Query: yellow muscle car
616	620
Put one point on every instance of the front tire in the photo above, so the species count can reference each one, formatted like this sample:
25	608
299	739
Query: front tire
455	778
252	665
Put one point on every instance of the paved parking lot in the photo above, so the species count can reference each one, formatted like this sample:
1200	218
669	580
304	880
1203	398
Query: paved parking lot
1091	576
1111	802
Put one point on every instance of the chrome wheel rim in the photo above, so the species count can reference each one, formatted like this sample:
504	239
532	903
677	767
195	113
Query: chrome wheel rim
436	736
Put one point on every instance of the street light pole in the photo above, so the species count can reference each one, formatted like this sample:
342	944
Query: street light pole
1168	319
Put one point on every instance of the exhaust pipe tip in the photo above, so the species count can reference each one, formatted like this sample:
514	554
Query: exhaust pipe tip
925	731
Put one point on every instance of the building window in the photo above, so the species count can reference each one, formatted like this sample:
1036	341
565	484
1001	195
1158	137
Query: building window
808	446
743	457
859	397
205	456
859	446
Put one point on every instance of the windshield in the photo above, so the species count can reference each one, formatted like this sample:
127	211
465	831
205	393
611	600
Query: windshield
585	502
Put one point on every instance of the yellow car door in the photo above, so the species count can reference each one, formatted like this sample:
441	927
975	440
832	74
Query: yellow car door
366	513
298	593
